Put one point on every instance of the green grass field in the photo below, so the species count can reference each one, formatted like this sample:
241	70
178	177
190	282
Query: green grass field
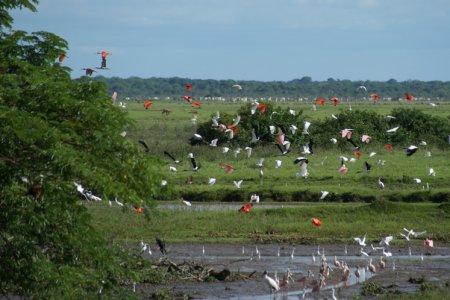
172	132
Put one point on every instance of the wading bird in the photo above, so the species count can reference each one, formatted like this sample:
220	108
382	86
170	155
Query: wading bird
316	222
271	282
380	183
161	245
361	241
175	161
411	150
246	208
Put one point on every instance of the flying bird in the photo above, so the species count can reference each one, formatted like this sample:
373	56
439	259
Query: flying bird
237	183
143	143
194	165
361	241
411	150
176	161
246	208
409	97
335	101
229	168
323	194
88	71
104	54
393	129
375	98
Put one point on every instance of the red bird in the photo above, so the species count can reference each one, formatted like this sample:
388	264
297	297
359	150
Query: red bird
262	108
229	169
375	98
234	128
104	55
195	103
139	210
188	87
320	101
187	98
246	208
335	101
409	97
147	104
357	153
62	57
389	147
316	222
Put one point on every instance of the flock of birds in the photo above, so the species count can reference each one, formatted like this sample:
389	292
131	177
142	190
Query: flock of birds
339	271
90	71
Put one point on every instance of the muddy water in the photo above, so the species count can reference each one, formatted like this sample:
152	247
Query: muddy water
246	259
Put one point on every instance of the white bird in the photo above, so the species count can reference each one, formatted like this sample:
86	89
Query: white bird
292	253
387	253
333	140
390	117
118	202
380	183
255	138
413	233
427	153
249	151
306	127
194	119
213	143
260	163
363	252
173	169
313	257
292	112
393	129
187	203
386	240
277	163
361	241
163	182
417	180
123	134
371	154
236	152
423	143
271	282
333	296
238	183
431	172
254	198
406	236
333	116
323	194
211	181
293	129
225	149
237	86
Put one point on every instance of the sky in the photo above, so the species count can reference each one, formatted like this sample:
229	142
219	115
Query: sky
265	40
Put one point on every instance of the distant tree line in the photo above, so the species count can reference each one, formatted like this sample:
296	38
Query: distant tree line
136	87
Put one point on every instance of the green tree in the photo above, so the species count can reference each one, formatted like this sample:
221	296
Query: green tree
55	131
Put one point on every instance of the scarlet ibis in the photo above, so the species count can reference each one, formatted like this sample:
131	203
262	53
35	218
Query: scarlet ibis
389	147
139	210
375	98
357	153
316	222
196	104
188	87
62	57
320	101
104	54
147	104
409	97
335	101
229	168
246	208
428	243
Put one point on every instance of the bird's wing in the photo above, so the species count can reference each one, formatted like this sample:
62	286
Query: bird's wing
170	156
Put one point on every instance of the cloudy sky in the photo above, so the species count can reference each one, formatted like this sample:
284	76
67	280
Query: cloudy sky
252	39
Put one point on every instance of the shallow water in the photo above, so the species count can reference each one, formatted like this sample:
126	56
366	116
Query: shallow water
245	259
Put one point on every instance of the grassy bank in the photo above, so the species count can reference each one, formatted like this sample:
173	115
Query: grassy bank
287	224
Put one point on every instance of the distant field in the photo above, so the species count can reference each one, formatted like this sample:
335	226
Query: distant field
171	132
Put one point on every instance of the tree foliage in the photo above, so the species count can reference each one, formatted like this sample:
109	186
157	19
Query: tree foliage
294	89
55	131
